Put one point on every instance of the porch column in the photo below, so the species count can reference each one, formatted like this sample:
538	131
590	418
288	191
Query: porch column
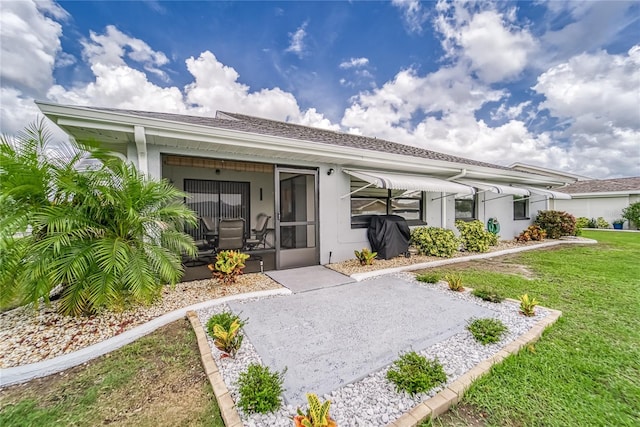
141	145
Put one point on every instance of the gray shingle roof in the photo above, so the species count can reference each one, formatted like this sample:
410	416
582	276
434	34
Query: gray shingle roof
603	185
244	123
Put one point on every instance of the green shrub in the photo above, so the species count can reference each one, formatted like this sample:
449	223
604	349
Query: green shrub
228	266
592	223
632	213
533	232
428	277
260	389
108	235
224	328
487	330
474	237
224	319
602	223
582	222
365	256
414	373
556	223
454	281
434	241
488	295
528	305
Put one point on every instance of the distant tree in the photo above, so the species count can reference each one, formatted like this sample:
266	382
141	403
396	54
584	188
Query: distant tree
632	213
104	233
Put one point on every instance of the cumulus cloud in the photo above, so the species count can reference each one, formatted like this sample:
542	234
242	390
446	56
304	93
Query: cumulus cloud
413	14
354	63
495	48
111	48
509	112
296	41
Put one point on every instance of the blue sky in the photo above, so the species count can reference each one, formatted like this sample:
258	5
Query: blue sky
555	84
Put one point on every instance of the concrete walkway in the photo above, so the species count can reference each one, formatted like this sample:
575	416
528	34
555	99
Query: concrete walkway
330	337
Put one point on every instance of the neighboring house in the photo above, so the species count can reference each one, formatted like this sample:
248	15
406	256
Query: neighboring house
320	187
600	198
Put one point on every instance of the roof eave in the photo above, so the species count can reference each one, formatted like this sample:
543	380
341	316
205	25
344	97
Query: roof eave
69	116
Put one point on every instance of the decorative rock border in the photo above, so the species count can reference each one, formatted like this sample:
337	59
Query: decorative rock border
430	408
453	393
369	274
23	373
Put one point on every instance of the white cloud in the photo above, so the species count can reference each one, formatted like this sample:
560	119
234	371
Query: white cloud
296	41
354	63
29	42
413	13
495	48
509	112
111	47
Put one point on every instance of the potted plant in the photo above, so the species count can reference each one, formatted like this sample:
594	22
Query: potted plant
618	223
316	416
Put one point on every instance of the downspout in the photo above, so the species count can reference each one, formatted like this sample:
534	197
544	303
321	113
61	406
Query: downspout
443	200
141	146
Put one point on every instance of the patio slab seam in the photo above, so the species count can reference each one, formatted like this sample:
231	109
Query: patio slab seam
431	264
453	392
23	373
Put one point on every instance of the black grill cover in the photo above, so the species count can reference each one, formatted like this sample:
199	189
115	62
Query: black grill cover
389	235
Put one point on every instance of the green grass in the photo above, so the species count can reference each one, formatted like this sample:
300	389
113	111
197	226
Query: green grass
585	369
155	381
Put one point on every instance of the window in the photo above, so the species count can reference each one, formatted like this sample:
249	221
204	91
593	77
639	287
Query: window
379	201
217	199
466	208
520	207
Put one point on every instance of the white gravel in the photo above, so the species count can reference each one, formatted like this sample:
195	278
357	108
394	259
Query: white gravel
373	401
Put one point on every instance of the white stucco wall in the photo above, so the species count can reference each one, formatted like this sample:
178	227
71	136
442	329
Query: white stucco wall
610	208
337	239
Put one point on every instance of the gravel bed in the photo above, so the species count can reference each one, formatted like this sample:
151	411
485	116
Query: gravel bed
353	266
29	335
373	401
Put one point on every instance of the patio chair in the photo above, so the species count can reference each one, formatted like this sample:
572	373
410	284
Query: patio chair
260	232
230	234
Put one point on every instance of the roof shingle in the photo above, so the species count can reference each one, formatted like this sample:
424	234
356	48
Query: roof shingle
603	185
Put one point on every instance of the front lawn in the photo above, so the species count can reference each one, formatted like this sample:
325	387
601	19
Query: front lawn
584	370
155	381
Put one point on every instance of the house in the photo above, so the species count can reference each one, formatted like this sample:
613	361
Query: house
320	187
600	198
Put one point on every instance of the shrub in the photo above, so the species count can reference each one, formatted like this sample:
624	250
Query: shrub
632	213
527	305
582	222
434	241
414	373
224	319
474	237
487	330
428	277
260	389
317	415
365	256
556	223
533	232
224	328
488	295
108	235
454	281
592	223
228	266
602	223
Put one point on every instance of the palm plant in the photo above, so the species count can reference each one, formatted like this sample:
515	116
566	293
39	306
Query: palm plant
106	234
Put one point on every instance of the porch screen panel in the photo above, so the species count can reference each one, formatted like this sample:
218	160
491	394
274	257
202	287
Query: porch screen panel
217	199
